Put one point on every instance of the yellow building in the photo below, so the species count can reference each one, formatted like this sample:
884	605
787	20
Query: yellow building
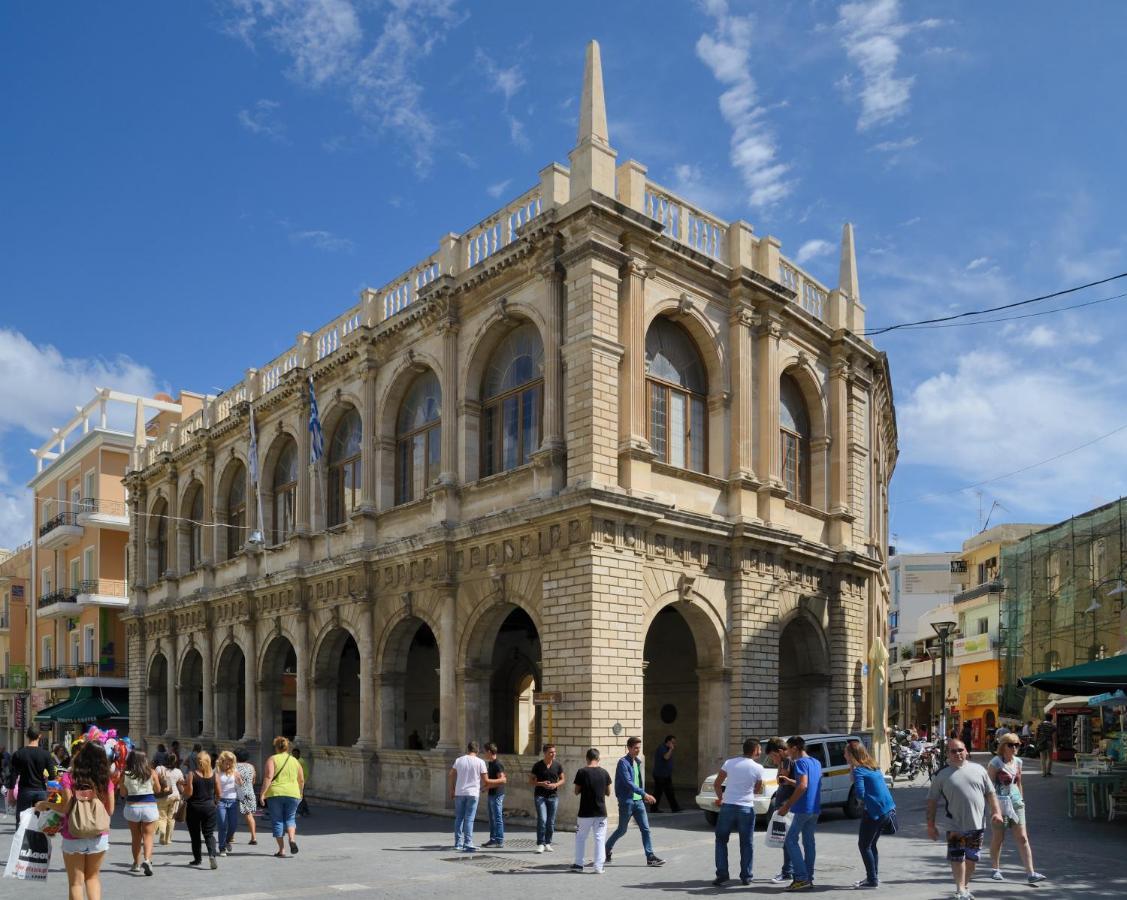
79	562
15	576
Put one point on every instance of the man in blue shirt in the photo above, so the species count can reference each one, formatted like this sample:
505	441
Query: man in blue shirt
629	790
806	804
663	774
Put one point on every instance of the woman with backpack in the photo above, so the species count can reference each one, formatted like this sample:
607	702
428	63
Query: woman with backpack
139	789
88	799
200	792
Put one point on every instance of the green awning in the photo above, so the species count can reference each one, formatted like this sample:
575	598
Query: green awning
47	713
89	704
1090	678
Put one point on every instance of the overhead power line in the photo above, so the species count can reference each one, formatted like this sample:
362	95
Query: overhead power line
872	332
1032	315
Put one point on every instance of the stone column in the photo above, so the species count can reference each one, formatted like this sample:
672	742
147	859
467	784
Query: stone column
368	374
634	452
447	675
140	574
171	551
304	695
451	390
304	493
207	651
767	463
173	695
369	687
250	683
210	536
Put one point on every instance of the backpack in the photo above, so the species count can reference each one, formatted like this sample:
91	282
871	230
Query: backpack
87	817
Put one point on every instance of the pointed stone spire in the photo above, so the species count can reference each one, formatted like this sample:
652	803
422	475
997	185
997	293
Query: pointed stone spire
592	160
592	105
847	274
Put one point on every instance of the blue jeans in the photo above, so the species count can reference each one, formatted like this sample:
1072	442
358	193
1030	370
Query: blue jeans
787	870
636	810
546	819
497	818
465	810
283	814
867	839
742	820
803	859
228	814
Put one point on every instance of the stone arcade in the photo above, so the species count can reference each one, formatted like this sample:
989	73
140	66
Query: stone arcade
602	444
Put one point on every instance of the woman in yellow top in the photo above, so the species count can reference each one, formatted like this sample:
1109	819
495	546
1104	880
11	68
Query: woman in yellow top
283	783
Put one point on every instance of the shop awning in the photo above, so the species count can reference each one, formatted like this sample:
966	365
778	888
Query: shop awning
89	704
1090	678
47	713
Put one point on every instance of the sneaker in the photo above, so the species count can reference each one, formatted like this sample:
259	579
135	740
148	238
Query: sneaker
598	871
781	879
539	848
608	856
214	863
997	875
135	868
719	882
147	867
488	844
1034	877
800	885
222	852
575	867
469	849
864	883
196	862
549	848
744	881
654	861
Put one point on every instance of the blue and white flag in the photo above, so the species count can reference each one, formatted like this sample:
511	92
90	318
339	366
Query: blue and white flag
253	454
317	444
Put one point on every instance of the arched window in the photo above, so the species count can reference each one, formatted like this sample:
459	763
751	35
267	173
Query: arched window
344	468
285	492
794	433
195	529
161	513
512	397
678	397
236	510
418	436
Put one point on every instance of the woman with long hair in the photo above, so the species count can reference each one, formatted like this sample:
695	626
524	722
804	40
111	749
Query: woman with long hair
880	810
282	786
172	776
248	802
201	791
227	807
1005	771
88	778
138	788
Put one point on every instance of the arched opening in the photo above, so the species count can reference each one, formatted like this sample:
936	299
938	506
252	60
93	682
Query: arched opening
158	695
235	509
804	678
191	694
158	546
512	396
337	690
794	437
345	469
989	723
283	502
230	694
278	691
418	438
671	695
514	721
409	687
676	397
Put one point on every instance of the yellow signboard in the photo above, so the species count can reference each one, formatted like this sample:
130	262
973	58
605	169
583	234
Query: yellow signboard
980	698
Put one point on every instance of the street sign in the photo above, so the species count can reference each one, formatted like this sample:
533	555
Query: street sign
546	698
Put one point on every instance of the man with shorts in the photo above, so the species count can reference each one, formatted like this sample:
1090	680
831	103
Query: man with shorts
966	788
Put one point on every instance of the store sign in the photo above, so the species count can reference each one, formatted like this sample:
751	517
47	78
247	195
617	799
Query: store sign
981	698
980	643
17	591
19	718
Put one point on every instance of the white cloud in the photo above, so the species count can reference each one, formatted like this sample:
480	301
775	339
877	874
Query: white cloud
896	146
323	240
754	151
262	119
978	263
506	82
812	250
321	37
496	190
517	134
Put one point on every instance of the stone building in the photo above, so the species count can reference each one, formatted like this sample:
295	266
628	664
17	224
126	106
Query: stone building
602	446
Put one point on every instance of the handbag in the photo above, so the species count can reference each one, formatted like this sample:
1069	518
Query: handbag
165	786
891	823
87	817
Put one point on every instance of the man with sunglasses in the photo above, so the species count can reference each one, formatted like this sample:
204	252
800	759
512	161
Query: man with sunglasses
966	789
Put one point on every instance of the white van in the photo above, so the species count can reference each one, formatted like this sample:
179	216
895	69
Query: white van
837	782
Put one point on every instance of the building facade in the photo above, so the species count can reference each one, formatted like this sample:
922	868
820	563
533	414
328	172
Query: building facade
15	588
603	465
918	582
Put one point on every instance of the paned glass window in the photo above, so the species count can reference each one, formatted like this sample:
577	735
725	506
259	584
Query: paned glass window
285	492
794	432
345	472
418	436
678	397
512	401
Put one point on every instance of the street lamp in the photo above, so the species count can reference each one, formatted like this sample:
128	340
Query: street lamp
943	629
933	652
904	670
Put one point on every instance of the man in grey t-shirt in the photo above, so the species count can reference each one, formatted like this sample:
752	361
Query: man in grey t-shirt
966	789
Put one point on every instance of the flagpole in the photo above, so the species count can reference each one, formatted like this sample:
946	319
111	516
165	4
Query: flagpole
316	451
324	509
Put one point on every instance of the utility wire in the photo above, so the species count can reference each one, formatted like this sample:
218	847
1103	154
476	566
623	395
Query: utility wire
871	332
1042	462
1044	312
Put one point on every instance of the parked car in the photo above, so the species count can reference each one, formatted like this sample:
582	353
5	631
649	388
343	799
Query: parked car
837	782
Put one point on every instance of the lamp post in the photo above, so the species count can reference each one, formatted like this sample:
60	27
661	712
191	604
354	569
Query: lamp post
1119	591
943	629
933	652
904	669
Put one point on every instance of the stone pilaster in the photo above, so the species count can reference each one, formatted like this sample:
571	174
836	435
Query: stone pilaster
743	503
302	650
634	452
768	466
550	475
447	675
250	682
207	651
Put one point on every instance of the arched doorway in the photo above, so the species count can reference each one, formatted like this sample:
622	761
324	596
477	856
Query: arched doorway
409	693
514	720
191	694
337	690
230	694
804	678
158	695
278	692
671	695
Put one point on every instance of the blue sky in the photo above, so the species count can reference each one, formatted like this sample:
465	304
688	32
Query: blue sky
187	186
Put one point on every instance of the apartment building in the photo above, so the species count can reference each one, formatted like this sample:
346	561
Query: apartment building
15	588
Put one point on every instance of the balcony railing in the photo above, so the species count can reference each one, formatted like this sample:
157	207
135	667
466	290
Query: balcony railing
103	587
57	596
13	682
63	518
88	505
107	669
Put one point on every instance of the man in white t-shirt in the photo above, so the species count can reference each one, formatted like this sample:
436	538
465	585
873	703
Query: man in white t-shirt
737	783
466	781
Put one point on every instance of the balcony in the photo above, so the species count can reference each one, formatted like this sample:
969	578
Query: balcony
110	514
102	674
980	646
14	681
60	532
58	604
102	592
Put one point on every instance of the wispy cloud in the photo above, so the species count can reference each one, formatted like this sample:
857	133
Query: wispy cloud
978	262
506	81
812	250
496	190
323	240
262	119
896	146
321	37
754	151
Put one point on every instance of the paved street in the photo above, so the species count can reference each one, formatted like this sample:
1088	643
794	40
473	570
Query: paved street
400	855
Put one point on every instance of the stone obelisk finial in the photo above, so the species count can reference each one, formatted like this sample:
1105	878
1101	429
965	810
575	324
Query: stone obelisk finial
592	160
847	273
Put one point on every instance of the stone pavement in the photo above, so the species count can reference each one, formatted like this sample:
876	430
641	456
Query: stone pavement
361	854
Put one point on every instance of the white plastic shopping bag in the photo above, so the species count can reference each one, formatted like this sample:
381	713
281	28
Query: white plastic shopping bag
30	856
777	829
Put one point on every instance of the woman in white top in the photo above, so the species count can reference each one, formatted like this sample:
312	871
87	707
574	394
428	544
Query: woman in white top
138	787
172	776
227	805
1005	771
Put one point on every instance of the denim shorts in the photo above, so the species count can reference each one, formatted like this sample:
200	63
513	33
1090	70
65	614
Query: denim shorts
283	813
964	845
90	845
141	812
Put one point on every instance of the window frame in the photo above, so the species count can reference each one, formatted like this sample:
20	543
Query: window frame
236	514
338	510
281	493
195	530
493	427
801	490
691	399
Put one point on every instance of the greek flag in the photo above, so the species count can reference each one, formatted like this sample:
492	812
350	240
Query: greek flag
253	454
317	444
